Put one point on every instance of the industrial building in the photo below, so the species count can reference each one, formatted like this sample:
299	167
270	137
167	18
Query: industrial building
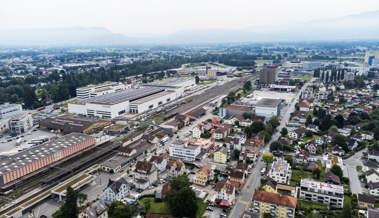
28	162
127	101
177	84
267	107
268	74
91	91
20	123
68	124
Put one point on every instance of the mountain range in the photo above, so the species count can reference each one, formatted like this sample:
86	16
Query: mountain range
362	26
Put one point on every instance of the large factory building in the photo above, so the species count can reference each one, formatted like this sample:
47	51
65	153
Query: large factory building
128	101
19	166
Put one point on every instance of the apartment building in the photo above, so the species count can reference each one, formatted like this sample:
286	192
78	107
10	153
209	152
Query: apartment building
325	193
280	171
277	205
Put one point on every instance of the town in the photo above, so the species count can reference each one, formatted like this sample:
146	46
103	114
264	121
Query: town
279	137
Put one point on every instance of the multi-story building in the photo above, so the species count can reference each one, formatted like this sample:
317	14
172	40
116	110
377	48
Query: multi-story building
145	174
277	205
220	156
184	151
176	168
268	74
203	176
8	110
91	91
29	162
280	171
322	192
20	123
225	192
115	191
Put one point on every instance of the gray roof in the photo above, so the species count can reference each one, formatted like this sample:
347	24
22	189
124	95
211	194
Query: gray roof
268	102
8	163
123	96
116	185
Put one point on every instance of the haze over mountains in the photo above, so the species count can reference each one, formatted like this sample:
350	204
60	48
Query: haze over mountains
362	26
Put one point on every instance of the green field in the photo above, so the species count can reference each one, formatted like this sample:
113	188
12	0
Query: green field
162	208
304	77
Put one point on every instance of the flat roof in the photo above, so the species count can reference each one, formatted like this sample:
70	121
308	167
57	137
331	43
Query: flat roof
8	163
123	96
174	82
268	102
152	97
321	186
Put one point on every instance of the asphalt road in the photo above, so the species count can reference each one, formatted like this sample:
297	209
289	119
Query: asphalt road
244	200
350	170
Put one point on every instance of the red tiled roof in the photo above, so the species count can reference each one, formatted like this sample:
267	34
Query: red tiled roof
274	198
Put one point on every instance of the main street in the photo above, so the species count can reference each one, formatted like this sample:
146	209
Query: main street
243	201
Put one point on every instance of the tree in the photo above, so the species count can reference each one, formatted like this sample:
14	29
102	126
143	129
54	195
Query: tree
339	140
274	121
347	210
267	215
178	182
275	146
308	121
257	126
70	207
236	154
247	115
247	86
265	135
284	131
268	158
182	199
120	210
337	171
339	121
316	173
197	79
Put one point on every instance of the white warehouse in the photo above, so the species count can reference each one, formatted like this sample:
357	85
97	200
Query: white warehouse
268	107
127	101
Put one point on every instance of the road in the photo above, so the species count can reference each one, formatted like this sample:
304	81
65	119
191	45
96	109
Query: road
253	181
350	170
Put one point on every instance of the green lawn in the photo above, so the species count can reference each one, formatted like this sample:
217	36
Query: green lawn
298	174
155	207
261	61
304	77
309	206
162	207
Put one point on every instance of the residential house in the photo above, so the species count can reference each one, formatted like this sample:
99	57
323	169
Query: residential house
373	155
280	171
372	213
296	133
145	175
220	156
160	162
312	148
221	132
304	106
203	176
197	131
238	178
329	160
372	176
176	168
226	193
115	191
373	188
278	205
332	178
95	210
366	201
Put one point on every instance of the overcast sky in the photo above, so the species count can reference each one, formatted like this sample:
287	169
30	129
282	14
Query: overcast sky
135	17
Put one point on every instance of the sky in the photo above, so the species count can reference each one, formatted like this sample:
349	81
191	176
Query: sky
159	17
